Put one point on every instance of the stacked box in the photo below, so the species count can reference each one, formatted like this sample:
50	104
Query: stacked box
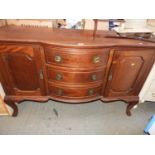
4	109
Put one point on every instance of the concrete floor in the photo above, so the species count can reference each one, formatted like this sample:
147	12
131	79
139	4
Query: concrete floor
92	118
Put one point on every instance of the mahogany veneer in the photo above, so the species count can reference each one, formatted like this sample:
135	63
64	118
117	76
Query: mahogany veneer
71	66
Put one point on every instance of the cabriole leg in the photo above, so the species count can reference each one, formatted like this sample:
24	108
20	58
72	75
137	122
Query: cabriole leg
13	106
130	106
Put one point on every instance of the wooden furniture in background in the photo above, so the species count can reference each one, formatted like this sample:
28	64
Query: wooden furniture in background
102	27
96	22
71	66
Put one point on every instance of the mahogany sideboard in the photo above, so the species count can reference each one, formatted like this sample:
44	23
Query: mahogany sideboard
71	66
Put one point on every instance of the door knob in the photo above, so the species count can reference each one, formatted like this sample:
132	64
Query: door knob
110	76
41	74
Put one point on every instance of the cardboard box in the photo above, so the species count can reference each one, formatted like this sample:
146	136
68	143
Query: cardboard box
4	109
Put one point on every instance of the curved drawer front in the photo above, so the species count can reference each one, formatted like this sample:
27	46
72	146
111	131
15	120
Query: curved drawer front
76	57
75	76
74	92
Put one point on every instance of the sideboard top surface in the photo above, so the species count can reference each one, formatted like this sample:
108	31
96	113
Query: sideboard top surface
66	37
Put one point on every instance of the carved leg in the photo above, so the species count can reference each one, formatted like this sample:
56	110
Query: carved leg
130	106
13	106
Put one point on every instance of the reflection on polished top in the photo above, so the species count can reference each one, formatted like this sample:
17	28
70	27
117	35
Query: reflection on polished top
69	37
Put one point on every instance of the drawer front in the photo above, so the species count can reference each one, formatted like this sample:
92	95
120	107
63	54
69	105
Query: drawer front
76	92
75	76
77	57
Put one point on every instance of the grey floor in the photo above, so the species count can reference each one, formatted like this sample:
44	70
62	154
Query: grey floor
91	118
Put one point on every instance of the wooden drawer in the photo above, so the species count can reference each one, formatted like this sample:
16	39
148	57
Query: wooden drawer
74	92
71	76
76	57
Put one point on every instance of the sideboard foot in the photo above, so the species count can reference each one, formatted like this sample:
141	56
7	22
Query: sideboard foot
13	106
130	106
131	101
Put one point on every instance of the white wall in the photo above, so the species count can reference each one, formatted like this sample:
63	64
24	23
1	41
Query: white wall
151	24
39	22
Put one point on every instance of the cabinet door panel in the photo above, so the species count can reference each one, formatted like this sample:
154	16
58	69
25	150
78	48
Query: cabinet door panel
128	72
129	66
21	64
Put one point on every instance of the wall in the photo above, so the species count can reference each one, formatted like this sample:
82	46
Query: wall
151	24
31	22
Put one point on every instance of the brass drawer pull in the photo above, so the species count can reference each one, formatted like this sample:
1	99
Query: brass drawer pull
58	58
93	77
59	77
96	59
60	92
90	92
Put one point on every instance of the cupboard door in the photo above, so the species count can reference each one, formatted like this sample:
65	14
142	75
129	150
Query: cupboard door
128	72
21	69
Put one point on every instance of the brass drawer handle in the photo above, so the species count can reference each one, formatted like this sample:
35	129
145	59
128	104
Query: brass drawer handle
96	59
93	77
58	58
59	77
60	92
90	92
